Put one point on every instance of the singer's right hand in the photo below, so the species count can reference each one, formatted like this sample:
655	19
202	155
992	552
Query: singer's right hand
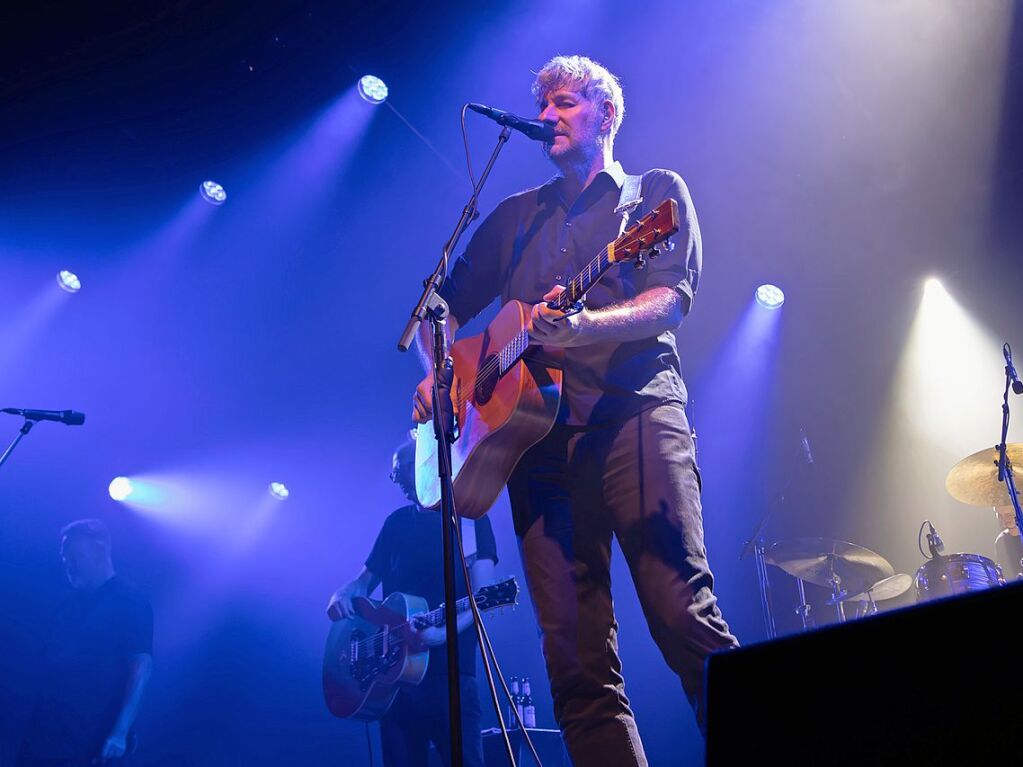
422	400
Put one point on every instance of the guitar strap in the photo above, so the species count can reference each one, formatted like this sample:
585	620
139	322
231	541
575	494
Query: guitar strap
629	201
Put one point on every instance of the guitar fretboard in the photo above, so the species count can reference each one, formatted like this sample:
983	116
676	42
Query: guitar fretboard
574	292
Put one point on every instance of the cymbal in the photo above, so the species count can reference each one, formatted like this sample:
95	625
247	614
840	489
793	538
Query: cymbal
815	559
889	588
974	480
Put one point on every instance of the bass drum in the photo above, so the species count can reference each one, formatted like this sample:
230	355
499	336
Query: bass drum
956	574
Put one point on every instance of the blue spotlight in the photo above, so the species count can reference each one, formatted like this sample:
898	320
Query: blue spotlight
213	192
373	89
770	296
279	491
121	488
69	281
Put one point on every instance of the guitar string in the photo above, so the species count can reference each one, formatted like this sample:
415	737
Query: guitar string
496	360
594	262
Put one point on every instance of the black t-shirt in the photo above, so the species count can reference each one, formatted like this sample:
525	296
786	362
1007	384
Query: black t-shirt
408	557
86	668
537	238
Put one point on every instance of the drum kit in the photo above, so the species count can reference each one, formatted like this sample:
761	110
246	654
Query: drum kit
859	578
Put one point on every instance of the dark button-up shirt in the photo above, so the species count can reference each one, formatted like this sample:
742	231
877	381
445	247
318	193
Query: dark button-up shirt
537	238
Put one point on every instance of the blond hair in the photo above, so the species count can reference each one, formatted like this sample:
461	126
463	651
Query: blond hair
583	75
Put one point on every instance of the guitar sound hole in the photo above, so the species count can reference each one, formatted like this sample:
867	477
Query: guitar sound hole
490	373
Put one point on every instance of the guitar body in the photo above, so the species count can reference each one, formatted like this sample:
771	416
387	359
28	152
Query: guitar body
499	415
360	677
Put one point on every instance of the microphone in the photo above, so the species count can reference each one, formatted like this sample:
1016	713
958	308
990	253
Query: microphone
805	442
67	417
534	129
934	542
1010	370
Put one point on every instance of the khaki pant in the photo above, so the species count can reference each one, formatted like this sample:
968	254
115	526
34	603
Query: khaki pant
635	479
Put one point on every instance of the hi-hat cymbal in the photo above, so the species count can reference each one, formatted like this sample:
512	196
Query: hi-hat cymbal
974	480
889	588
817	559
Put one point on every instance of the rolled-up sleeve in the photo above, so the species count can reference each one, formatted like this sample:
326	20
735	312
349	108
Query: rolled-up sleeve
679	268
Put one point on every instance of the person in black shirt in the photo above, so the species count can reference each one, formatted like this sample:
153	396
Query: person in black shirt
620	461
97	662
407	557
1008	548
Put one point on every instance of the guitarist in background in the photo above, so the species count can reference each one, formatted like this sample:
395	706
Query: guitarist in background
98	659
620	459
407	557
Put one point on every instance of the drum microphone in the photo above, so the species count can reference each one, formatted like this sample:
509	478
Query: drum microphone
934	542
67	417
1010	369
534	129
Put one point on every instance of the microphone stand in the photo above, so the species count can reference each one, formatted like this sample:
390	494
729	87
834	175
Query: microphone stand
1005	471
431	306
25	429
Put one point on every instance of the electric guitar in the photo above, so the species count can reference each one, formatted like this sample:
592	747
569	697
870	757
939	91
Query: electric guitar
369	656
506	390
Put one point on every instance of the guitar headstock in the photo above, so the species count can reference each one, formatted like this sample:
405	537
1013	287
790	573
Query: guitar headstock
499	594
643	238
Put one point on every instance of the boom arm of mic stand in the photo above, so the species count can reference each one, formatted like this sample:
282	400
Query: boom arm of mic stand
25	429
435	280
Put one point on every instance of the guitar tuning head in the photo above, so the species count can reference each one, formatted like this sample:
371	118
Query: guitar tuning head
640	261
667	246
654	252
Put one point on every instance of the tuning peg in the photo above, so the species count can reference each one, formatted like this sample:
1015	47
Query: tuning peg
654	252
667	246
640	261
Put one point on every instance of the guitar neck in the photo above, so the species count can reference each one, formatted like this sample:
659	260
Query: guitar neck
438	616
573	293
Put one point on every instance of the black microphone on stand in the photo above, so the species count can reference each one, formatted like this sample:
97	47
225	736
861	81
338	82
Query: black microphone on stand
67	417
1010	369
534	129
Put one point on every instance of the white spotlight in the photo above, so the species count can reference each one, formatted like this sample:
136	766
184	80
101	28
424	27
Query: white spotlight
69	281
213	192
121	488
373	89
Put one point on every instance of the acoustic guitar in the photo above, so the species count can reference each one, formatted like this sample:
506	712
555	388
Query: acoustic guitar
507	390
369	656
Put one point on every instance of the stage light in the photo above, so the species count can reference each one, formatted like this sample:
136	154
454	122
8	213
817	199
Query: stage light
770	296
213	192
373	89
69	281
121	488
279	491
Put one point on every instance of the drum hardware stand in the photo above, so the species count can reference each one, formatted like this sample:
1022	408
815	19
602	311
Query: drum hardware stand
1005	472
756	545
803	608
837	592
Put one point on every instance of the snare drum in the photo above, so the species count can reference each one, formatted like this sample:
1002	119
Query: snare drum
956	574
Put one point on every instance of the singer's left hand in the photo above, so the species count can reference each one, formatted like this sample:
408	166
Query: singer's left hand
551	327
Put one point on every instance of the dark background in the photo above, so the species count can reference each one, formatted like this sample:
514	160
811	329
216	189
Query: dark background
845	151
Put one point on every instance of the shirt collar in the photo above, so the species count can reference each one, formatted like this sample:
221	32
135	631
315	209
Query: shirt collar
617	174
